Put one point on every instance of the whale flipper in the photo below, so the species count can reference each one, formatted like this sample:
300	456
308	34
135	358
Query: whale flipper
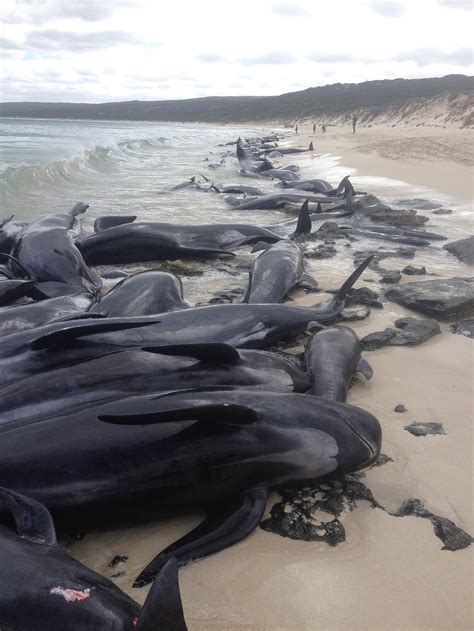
225	524
365	368
309	280
163	608
33	520
216	353
225	414
78	329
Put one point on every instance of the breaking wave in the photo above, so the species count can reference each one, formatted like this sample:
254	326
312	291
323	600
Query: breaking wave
98	159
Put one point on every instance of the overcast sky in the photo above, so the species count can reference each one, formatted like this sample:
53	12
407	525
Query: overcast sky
110	50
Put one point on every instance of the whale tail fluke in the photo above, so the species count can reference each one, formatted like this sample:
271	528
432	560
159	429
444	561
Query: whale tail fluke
163	608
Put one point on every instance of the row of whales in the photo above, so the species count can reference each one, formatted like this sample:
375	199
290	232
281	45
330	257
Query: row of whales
138	403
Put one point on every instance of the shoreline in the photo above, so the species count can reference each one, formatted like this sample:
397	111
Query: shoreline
391	573
440	159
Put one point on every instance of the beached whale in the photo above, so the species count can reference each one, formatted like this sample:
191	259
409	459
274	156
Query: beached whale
145	293
117	375
42	588
13	289
17	318
46	250
275	272
220	450
150	241
333	356
240	325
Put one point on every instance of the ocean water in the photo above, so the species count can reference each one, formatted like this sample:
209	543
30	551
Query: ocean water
128	168
116	167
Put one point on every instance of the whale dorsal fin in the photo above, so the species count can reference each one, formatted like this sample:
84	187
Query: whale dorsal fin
209	413
223	353
304	224
33	520
77	329
163	608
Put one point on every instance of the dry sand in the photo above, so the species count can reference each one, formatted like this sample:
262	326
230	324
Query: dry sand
391	573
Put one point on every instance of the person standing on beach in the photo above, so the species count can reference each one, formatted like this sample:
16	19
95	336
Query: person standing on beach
354	121
296	129
314	128
323	128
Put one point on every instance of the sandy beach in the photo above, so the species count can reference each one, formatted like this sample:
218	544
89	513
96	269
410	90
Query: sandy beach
390	573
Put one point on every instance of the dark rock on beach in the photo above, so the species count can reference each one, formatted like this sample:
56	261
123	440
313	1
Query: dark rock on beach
411	270
400	408
463	249
408	332
425	429
363	296
321	251
351	314
453	537
444	298
464	327
442	211
390	277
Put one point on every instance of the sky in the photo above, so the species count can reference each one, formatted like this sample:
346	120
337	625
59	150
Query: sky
120	50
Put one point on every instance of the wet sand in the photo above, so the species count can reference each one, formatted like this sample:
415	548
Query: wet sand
390	573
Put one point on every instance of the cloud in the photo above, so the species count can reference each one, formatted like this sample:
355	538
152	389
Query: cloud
456	4
427	56
46	10
209	58
8	44
273	58
289	10
387	9
330	58
54	40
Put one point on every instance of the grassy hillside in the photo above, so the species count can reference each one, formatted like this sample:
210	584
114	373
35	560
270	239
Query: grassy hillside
313	102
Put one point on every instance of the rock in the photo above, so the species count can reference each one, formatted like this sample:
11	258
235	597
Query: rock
374	341
412	331
453	537
400	408
183	267
442	211
354	313
403	252
402	217
390	277
423	429
363	296
411	270
227	296
418	203
118	559
463	249
444	298
329	226
322	251
464	327
408	332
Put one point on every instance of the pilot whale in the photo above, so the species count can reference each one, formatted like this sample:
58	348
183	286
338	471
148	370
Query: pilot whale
218	450
42	588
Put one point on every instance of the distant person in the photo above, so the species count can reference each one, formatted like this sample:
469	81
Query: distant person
323	128
354	122
296	129
314	128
